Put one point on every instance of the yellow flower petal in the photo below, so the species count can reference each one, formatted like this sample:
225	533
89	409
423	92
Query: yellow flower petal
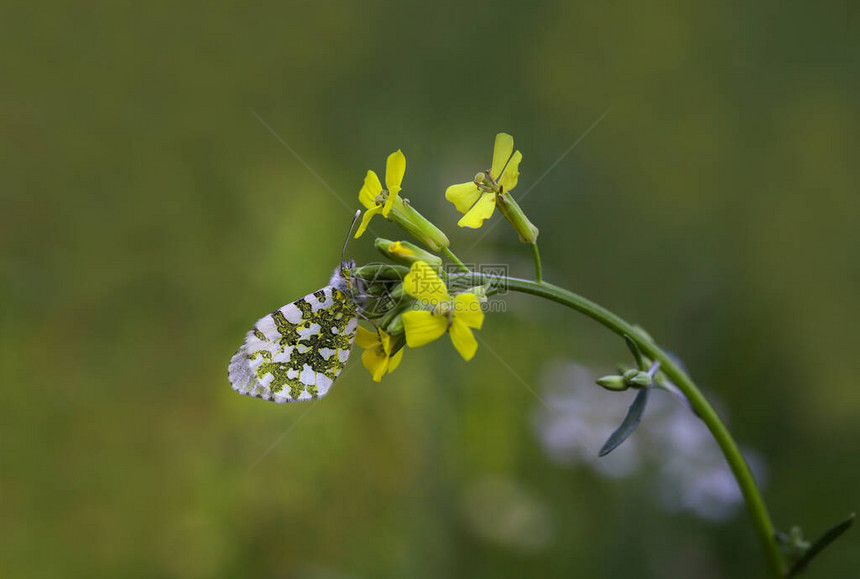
509	177
368	215
389	203
366	339
467	309
370	190
423	327
463	340
482	210
394	361
502	150
395	168
385	341
463	195
376	363
422	282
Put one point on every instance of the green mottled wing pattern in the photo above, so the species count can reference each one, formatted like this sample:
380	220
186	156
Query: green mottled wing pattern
297	351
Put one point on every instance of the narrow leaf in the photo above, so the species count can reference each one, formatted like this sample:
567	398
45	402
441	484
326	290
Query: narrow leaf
637	354
820	544
631	421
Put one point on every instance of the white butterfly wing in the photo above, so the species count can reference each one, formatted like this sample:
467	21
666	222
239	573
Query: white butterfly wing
297	351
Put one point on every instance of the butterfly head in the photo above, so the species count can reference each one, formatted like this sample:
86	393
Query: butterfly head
344	279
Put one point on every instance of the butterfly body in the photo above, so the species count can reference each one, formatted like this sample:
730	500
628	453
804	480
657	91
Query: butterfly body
297	351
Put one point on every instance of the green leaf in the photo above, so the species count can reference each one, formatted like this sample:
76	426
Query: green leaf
631	421
637	354
820	544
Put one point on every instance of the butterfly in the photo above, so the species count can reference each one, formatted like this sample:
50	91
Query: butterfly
297	351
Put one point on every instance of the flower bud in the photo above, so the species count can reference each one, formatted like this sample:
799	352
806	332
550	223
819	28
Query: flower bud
376	271
405	252
640	380
614	383
637	379
395	328
397	293
511	210
418	226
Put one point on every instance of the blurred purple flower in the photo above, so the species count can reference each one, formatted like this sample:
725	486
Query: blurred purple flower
690	471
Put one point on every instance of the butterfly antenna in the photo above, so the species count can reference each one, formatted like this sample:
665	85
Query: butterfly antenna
349	235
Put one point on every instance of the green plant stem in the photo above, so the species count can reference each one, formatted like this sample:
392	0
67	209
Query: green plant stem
538	269
740	469
455	260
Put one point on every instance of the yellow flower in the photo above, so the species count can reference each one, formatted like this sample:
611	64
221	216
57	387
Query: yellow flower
373	197
477	199
457	316
377	356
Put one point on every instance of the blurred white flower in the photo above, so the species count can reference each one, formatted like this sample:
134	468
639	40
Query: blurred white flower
690	471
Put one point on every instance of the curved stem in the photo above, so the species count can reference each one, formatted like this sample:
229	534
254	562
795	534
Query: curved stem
538	269
754	502
454	259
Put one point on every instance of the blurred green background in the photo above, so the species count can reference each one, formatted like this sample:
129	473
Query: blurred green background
148	218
